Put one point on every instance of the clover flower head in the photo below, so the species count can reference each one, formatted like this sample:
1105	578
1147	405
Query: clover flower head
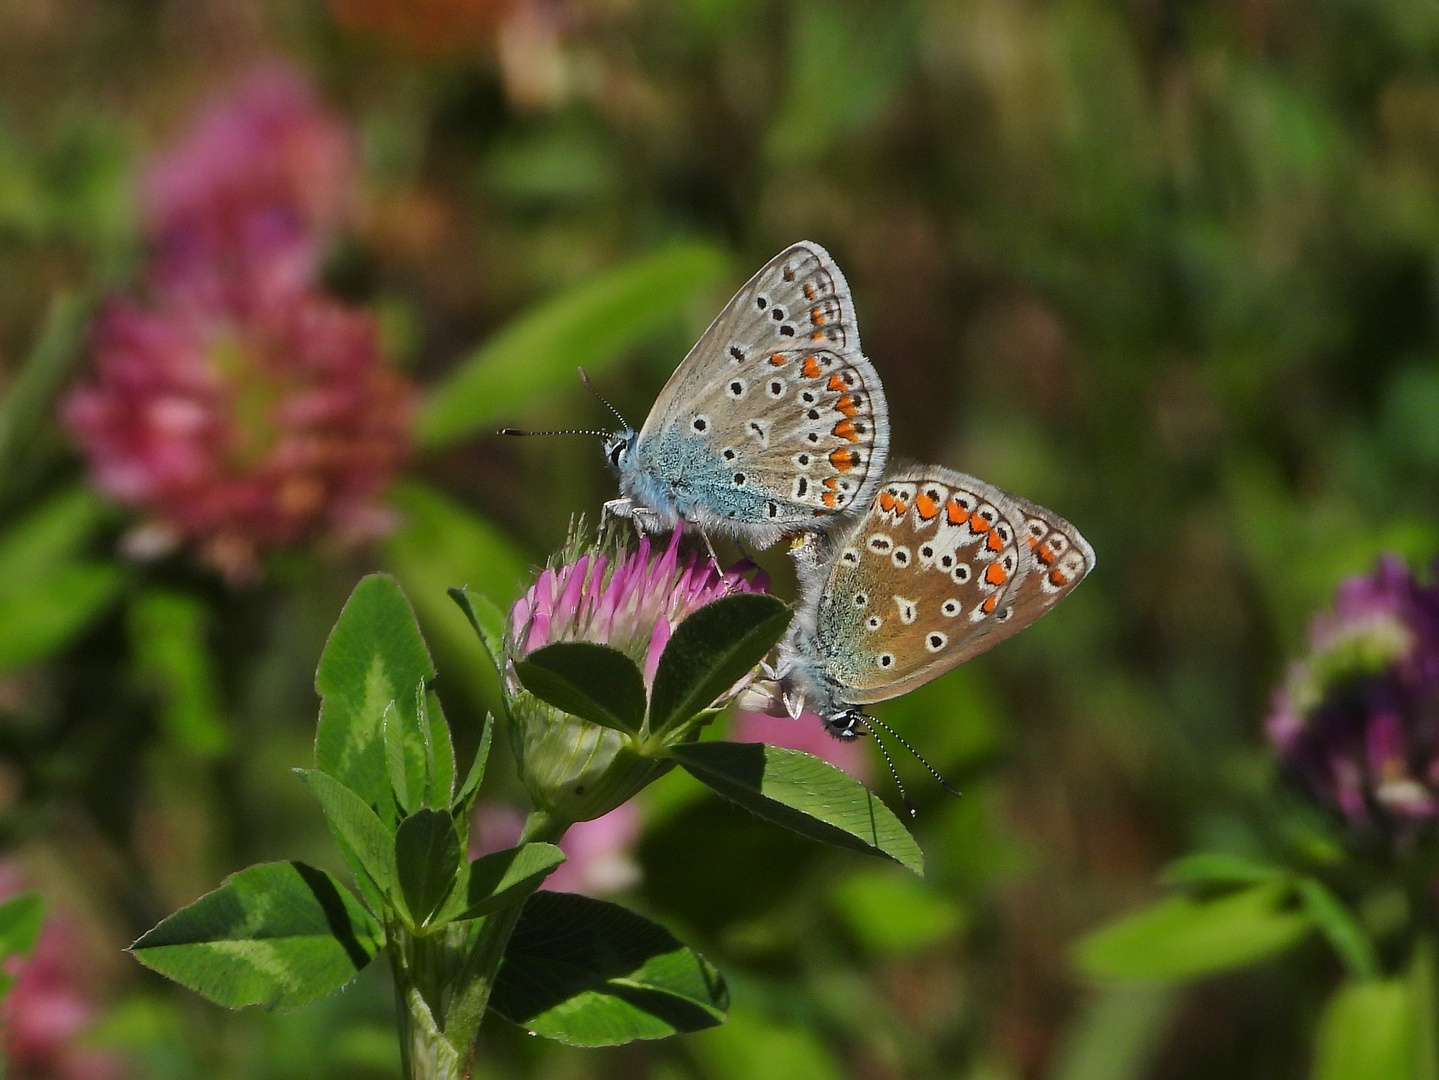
631	599
1358	718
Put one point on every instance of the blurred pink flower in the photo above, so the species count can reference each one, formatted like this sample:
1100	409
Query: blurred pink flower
599	861
51	1004
245	205
238	434
807	734
244	409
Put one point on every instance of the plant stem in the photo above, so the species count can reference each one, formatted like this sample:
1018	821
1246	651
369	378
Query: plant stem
471	988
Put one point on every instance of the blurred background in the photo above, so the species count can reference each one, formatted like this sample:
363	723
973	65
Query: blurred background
271	275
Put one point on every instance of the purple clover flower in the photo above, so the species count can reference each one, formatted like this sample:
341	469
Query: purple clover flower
1358	719
630	599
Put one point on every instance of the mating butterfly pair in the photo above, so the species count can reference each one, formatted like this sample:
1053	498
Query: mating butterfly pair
775	423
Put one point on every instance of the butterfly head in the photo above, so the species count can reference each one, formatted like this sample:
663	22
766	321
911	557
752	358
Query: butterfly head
845	723
619	445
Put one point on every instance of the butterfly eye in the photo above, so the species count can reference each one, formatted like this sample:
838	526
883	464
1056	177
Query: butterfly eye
616	452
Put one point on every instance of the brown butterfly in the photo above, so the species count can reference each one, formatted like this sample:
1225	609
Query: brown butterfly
940	568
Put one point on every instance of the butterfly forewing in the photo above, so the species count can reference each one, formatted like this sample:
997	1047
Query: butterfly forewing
778	391
940	568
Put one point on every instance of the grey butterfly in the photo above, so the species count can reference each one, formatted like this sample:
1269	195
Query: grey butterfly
774	423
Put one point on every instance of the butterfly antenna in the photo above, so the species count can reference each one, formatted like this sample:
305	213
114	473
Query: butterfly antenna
865	720
603	400
566	431
917	755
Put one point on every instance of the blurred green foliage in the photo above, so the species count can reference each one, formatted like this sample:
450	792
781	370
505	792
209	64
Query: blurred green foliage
1168	268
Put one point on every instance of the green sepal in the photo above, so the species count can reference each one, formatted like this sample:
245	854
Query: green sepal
709	652
592	681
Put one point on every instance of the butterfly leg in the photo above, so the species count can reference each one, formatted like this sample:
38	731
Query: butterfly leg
616	508
714	560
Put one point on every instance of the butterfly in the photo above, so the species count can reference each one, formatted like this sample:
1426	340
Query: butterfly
774	423
939	568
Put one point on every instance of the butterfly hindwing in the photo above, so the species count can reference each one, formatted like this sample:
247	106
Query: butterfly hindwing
774	421
940	568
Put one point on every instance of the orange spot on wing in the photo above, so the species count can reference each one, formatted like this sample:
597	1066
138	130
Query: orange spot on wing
977	524
816	335
1045	554
808	291
886	501
778	359
816	316
996	574
927	507
836	383
831	482
847	406
1058	578
811	368
989	605
829	499
954	513
845	430
843	459
994	543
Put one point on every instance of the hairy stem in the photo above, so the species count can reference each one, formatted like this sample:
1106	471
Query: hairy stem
471	988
